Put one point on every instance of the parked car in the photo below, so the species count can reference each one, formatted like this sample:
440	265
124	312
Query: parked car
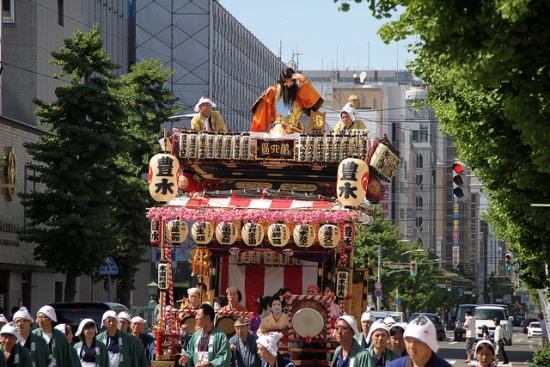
437	321
534	329
525	324
518	319
459	331
73	312
485	315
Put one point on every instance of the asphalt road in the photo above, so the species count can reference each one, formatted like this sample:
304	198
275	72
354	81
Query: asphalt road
520	353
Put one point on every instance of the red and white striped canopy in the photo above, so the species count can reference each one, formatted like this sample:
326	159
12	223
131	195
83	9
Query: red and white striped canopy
249	203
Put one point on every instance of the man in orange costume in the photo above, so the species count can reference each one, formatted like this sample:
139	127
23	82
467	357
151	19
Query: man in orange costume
298	96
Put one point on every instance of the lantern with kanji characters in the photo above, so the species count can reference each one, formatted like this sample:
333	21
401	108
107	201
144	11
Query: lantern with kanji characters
252	234
278	234
329	235
226	233
156	232
304	235
163	276
163	169
177	230
202	232
351	186
348	236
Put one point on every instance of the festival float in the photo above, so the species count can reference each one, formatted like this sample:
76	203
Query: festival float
264	210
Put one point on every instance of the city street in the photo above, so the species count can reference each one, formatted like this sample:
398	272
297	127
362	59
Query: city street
520	352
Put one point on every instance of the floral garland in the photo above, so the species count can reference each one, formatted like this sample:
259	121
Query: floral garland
250	215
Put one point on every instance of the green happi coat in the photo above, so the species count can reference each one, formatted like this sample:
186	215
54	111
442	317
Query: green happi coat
130	354
21	356
218	349
59	348
357	356
101	353
39	350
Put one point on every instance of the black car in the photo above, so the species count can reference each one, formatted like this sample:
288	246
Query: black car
73	312
437	321
459	331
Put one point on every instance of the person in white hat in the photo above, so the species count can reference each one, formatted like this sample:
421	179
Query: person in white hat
37	346
11	350
367	318
349	353
206	119
121	347
68	331
147	341
124	320
244	346
421	340
485	354
91	352
56	340
268	350
349	121
378	351
3	320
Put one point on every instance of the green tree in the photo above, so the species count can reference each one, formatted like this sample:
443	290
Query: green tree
488	69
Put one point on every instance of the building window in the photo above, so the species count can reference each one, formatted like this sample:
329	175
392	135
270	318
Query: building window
419	223
8	11
419	203
60	12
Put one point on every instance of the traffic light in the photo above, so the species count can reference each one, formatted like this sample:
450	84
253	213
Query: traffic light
414	270
448	285
460	182
520	285
473	294
508	258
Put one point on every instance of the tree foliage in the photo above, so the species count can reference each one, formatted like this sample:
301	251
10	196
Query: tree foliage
92	199
487	64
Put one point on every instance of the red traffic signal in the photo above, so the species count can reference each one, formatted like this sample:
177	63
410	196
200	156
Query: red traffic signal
460	182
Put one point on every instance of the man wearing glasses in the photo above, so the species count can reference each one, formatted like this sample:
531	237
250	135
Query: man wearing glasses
56	340
349	353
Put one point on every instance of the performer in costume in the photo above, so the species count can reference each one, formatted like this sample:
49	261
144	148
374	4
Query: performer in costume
349	353
13	353
37	346
56	340
297	94
367	319
379	353
206	119
268	349
243	345
277	320
91	352
208	347
147	341
234	296
349	121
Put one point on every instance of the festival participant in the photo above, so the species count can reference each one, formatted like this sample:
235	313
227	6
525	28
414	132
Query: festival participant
297	94
313	290
56	340
147	341
379	353
263	312
68	331
335	311
37	346
277	320
122	350
234	296
124	320
485	354
367	319
397	340
208	347
268	349
13	353
91	352
421	340
243	345
349	353
206	119
349	121
3	320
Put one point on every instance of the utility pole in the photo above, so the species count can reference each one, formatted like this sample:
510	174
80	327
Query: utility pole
379	275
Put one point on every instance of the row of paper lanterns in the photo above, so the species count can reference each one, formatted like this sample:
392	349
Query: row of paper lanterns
252	234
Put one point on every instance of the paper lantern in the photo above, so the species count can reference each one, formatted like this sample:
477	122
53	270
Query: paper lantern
177	230
187	183
252	234
202	232
348	236
278	234
304	235
226	233
162	181
329	235
351	186
156	232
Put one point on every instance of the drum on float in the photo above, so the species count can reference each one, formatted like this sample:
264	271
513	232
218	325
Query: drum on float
309	318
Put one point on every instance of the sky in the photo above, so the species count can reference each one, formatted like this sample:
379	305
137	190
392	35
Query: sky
318	36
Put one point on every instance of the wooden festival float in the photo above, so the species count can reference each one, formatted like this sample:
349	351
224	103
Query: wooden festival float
266	202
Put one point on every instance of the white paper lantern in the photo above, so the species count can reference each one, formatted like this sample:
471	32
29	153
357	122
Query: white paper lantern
353	178
278	234
202	232
304	235
329	235
177	230
162	181
253	234
226	233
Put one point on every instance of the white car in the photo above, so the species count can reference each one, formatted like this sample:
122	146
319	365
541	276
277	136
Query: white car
534	329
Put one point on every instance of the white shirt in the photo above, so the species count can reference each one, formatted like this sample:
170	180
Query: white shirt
470	326
499	333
